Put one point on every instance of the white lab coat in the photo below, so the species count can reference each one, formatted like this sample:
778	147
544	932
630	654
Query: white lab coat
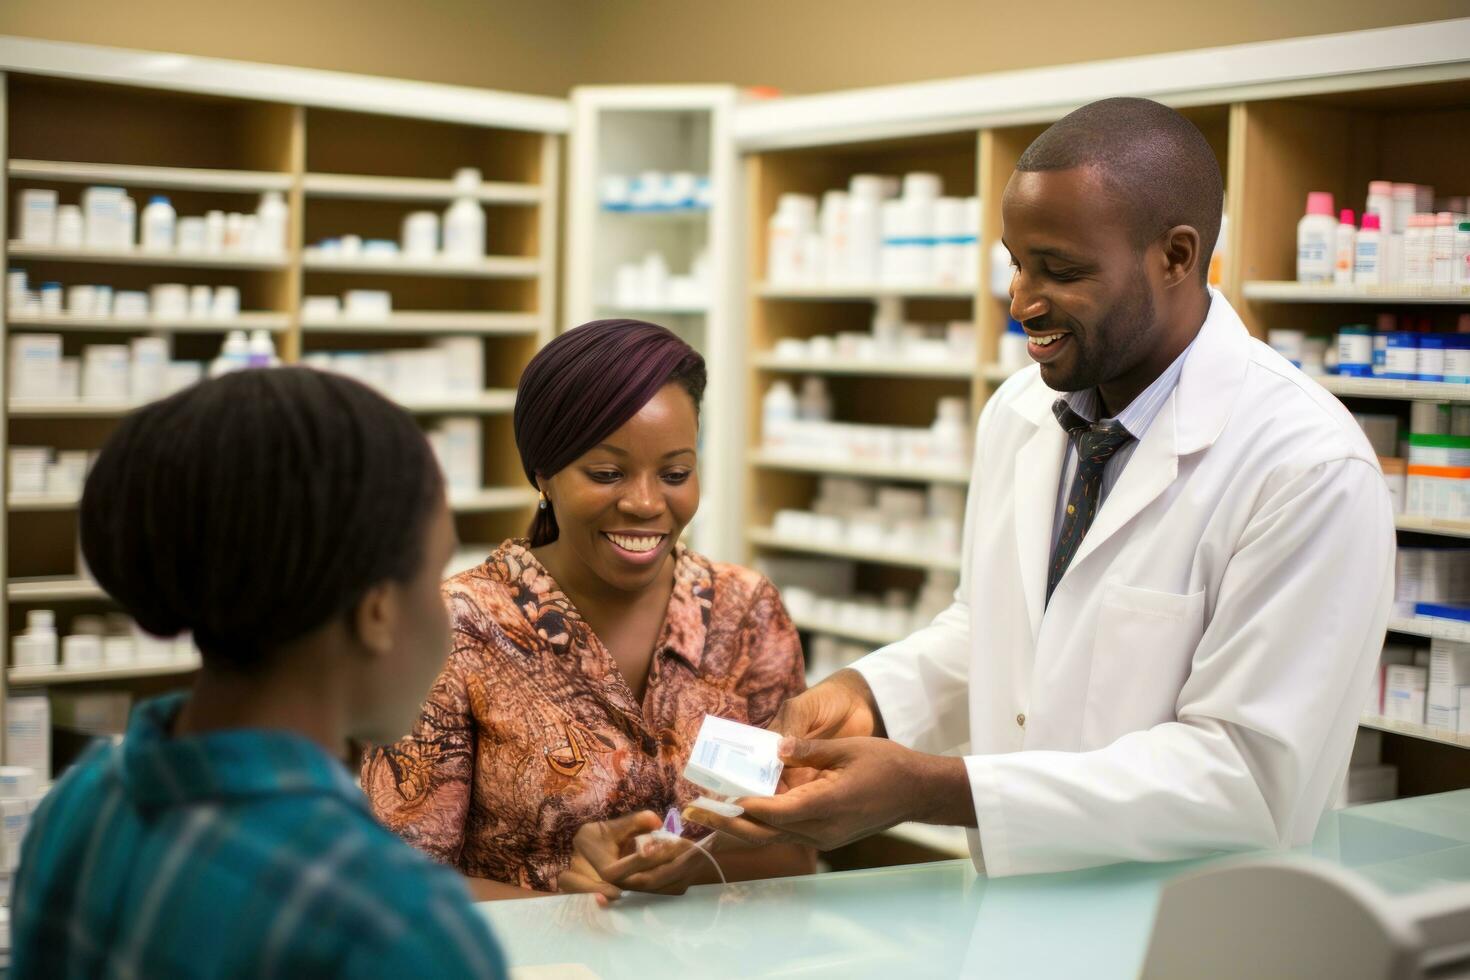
1195	683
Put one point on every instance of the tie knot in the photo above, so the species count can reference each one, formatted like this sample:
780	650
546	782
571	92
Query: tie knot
1096	441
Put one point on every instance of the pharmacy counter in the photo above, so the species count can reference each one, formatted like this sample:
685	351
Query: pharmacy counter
937	920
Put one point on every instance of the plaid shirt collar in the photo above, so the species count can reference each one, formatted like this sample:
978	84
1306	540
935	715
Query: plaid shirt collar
159	769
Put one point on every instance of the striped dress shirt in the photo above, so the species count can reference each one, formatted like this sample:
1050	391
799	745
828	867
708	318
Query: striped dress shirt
1136	418
236	853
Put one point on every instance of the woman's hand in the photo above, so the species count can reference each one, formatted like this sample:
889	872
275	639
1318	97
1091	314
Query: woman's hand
606	862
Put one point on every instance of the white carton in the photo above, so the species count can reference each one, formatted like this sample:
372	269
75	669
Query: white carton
28	733
734	760
1404	693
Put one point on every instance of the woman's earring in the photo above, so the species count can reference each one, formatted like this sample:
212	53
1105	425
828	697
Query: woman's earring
542	503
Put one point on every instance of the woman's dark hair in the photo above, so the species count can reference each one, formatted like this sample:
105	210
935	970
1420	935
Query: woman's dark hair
584	385
254	508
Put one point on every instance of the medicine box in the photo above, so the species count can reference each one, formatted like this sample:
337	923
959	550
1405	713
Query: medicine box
28	733
1462	717
734	760
1404	693
1393	653
35	366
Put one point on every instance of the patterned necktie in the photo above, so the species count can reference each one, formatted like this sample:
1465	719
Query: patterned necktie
1095	443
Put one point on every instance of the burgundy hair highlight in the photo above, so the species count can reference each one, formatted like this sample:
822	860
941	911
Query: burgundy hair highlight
584	385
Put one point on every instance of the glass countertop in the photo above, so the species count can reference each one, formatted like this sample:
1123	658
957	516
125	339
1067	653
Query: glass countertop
939	920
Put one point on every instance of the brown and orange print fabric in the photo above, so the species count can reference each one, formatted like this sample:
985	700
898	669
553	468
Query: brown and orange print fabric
531	731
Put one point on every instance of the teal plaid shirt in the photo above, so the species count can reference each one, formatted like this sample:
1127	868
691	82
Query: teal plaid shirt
243	853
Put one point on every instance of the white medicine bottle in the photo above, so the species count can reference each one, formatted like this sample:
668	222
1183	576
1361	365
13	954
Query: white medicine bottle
949	432
778	412
262	350
787	233
41	632
1368	252
815	404
233	356
1316	240
464	220
158	225
272	219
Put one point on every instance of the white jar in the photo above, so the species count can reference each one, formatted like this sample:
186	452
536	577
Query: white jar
158	225
70	226
272	223
1367	253
421	235
81	651
1316	240
787	234
778	413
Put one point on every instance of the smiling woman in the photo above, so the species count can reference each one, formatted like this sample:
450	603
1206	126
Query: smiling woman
586	656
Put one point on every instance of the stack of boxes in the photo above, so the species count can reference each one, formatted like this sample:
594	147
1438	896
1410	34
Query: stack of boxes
1447	701
1418	686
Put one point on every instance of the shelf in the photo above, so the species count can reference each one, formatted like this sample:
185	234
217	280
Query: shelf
1296	292
19	504
70	409
1439	391
33	676
492	402
434	322
655	309
878	638
58	587
655	214
892	369
869	293
876	471
1440	735
492	499
170	178
768	538
490	267
1431	525
412	189
946	840
1432	627
50	253
274	322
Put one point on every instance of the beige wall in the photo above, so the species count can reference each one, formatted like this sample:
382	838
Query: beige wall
515	45
816	45
546	46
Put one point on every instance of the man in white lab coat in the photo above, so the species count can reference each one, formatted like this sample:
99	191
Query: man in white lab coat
1178	560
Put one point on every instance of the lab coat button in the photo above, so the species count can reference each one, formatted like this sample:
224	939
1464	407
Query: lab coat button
1021	720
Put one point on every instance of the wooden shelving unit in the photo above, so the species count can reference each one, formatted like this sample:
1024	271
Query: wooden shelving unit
354	163
876	393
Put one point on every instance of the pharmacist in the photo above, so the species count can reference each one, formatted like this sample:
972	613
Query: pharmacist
1177	563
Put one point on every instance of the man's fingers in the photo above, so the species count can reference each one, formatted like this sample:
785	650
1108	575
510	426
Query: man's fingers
807	753
740	828
813	801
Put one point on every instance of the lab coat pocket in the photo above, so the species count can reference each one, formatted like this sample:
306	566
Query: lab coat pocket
1141	653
